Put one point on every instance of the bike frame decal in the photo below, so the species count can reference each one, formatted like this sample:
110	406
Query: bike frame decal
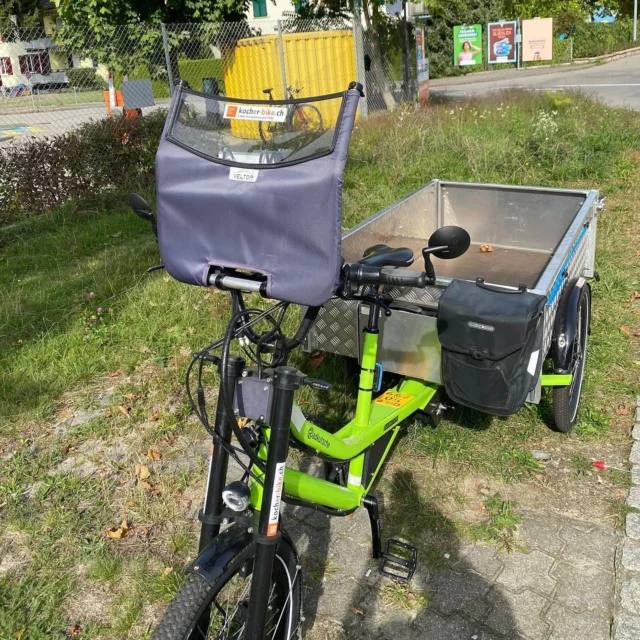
393	399
276	498
254	112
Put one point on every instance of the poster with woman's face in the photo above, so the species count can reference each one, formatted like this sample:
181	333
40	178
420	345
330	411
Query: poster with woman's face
467	45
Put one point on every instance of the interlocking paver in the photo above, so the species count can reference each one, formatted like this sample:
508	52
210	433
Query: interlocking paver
587	589
628	627
634	456
518	612
460	592
595	547
569	625
485	559
435	627
528	571
542	531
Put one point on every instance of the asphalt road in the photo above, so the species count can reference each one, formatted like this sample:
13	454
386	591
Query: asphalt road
615	83
25	125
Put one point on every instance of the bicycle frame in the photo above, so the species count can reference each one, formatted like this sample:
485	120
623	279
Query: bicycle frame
373	421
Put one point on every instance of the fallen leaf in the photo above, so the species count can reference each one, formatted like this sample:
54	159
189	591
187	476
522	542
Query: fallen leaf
109	414
124	410
625	329
113	374
486	248
141	531
132	396
358	612
623	411
142	471
20	634
153	455
411	596
316	359
154	488
117	533
167	571
634	296
155	415
75	630
242	422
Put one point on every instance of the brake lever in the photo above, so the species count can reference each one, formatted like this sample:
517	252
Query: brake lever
370	299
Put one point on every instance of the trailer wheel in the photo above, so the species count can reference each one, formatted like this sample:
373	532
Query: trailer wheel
566	399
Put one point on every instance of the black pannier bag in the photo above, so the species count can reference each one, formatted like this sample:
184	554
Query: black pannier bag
491	341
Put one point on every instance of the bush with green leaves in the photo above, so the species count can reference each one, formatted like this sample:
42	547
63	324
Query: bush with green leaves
114	153
86	78
599	38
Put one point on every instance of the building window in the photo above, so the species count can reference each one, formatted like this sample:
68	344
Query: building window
259	8
5	67
35	63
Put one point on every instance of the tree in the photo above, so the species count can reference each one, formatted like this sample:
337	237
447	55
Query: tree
28	12
123	35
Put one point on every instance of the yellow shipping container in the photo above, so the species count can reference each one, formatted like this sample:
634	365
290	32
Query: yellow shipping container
319	63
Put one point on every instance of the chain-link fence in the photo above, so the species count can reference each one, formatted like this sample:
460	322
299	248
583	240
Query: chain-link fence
53	82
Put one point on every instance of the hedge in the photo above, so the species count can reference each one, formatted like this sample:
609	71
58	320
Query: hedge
194	71
114	153
85	78
592	39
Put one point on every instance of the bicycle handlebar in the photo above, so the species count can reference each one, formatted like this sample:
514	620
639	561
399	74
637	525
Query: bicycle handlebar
366	275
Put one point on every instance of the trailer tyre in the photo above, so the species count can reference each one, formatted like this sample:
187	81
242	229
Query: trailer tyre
566	399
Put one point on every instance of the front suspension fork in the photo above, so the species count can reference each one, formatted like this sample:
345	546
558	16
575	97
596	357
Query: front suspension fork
285	380
213	505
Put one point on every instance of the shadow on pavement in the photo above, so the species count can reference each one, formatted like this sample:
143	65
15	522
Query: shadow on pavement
451	596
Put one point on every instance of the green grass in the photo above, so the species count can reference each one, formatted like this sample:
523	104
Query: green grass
57	350
61	99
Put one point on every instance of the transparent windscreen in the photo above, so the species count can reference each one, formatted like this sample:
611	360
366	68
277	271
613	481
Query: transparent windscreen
256	134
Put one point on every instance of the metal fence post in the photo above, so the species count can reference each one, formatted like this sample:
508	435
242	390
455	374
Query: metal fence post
167	56
571	49
358	52
283	64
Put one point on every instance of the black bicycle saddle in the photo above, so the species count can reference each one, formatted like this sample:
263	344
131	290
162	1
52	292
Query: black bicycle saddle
382	255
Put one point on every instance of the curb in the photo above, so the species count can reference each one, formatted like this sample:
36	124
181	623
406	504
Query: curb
506	74
628	622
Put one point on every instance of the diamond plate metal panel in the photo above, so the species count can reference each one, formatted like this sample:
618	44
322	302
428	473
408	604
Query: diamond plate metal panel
427	297
336	328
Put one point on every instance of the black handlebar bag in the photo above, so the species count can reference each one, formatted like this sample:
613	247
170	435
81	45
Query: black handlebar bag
255	186
491	340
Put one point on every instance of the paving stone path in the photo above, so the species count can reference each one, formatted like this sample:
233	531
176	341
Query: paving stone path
560	584
628	618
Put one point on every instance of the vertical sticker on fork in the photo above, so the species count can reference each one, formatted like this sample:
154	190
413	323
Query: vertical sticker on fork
274	511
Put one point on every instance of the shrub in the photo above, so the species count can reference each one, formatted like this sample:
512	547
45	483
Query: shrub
194	71
598	38
85	78
38	176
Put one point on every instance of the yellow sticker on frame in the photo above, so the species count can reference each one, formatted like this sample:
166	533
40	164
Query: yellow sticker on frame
393	399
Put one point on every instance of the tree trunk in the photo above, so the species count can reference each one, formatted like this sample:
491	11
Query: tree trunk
377	65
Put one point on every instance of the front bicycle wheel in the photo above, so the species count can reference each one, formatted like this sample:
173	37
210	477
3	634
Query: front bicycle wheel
306	117
218	610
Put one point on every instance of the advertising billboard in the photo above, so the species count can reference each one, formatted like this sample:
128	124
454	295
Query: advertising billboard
537	39
423	67
501	42
467	45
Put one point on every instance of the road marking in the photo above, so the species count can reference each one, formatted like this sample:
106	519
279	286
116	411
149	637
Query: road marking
618	84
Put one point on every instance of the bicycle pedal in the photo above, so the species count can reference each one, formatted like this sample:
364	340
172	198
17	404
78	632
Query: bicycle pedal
398	561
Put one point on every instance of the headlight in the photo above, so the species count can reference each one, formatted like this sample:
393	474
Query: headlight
236	496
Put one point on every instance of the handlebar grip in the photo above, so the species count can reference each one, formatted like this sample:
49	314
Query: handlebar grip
403	278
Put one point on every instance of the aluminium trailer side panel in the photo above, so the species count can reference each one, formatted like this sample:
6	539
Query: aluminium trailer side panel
409	343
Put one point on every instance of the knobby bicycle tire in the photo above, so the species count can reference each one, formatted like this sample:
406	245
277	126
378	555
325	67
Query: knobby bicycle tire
197	595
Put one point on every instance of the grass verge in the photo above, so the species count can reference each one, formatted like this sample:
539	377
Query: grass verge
85	332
